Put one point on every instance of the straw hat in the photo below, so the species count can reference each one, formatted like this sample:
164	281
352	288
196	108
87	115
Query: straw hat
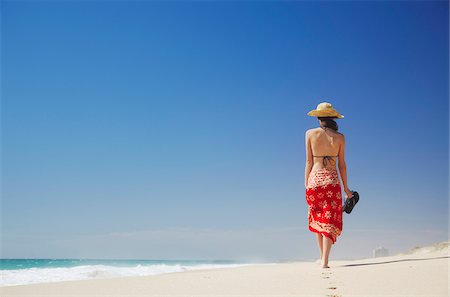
325	109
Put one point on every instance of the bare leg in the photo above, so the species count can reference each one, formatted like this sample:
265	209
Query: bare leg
326	251
320	244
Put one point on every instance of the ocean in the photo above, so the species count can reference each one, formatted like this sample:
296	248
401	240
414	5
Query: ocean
31	271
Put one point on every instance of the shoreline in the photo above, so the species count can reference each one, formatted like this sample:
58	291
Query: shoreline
96	270
410	274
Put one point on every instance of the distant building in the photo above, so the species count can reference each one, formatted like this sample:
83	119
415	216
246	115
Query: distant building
380	252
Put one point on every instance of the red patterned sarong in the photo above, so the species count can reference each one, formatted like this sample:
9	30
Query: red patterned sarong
324	198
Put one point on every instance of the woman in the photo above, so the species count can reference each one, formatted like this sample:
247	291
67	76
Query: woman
323	189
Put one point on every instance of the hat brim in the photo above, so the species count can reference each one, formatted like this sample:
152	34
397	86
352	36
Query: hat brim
319	113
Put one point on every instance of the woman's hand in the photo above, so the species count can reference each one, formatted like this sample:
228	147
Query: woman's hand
348	193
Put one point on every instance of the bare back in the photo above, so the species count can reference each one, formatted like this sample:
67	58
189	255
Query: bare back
325	147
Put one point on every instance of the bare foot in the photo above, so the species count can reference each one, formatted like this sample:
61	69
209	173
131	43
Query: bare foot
325	266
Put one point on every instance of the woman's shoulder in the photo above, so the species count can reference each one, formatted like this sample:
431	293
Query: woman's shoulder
318	129
311	131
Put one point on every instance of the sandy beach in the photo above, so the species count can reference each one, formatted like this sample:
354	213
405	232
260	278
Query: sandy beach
421	273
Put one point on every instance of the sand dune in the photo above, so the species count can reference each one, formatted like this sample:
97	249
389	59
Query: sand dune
438	247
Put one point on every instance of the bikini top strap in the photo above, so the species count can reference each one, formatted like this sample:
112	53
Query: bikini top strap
325	159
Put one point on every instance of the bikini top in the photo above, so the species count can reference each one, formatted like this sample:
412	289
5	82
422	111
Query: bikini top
325	159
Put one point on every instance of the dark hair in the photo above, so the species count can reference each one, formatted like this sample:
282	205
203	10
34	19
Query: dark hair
328	122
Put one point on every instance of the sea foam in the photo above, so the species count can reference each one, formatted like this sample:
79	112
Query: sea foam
82	272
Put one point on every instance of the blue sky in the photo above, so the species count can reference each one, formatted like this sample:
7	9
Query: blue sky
169	130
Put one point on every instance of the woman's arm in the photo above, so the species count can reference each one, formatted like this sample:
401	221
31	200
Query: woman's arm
309	158
342	166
